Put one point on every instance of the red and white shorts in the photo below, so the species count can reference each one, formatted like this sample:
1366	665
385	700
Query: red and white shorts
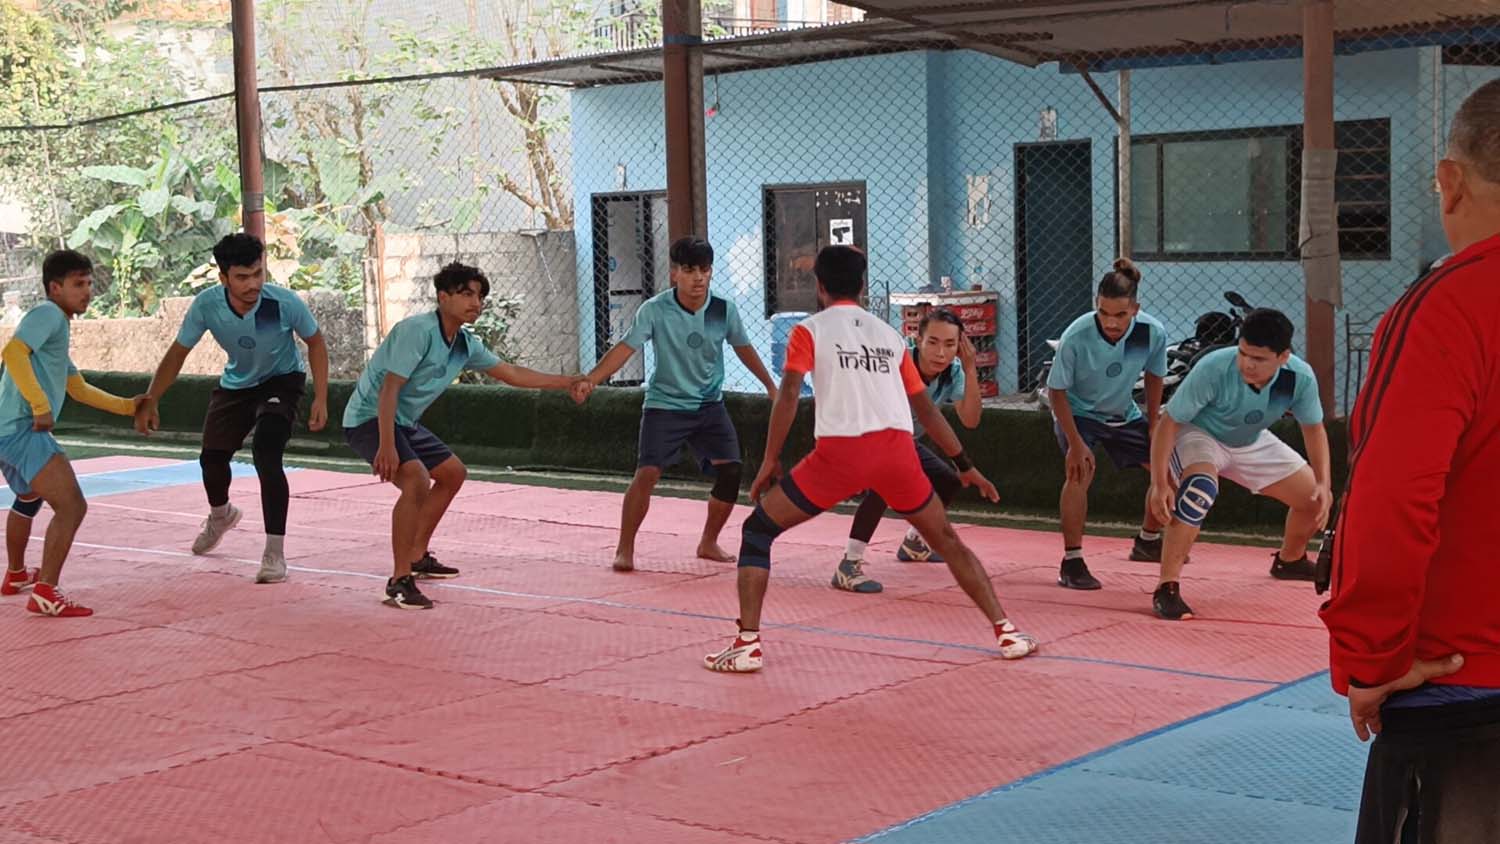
885	461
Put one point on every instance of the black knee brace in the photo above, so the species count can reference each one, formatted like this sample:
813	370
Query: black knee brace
216	475
28	509
756	538
727	485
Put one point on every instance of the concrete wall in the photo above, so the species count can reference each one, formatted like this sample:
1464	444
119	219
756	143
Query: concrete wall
537	270
137	344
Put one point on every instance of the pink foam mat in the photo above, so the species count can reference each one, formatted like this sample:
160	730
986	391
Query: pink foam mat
548	697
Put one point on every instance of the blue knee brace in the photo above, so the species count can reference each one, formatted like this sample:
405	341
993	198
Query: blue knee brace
756	538
29	509
1195	497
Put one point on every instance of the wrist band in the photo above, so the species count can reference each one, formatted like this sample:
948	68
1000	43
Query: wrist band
961	459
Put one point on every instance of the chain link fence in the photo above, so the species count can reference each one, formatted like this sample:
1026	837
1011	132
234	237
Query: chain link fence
973	181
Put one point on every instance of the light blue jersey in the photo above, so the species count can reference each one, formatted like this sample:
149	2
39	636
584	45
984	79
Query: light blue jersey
946	388
259	344
417	351
44	330
689	348
1099	376
1215	397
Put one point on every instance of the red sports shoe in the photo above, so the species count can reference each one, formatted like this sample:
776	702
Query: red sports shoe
15	581
49	600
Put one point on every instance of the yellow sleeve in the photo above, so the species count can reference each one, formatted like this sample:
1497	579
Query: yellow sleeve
17	357
82	391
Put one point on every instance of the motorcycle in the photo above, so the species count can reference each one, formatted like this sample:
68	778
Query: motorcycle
1211	331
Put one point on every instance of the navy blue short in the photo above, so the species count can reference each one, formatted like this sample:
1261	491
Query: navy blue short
1128	445
708	431
412	443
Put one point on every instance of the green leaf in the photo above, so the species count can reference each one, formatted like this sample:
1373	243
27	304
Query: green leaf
466	214
154	201
117	173
90	224
338	174
277	177
348	242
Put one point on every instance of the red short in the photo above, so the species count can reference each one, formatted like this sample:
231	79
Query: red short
885	461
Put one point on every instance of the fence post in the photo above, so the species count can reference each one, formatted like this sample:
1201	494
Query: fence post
1319	229
247	117
682	82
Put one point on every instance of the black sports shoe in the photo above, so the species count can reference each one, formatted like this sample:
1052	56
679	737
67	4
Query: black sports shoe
1146	550
1300	569
429	567
403	594
1167	602
1074	574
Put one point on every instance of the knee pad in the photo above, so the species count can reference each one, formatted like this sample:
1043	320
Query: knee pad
28	509
756	538
214	457
727	485
1195	497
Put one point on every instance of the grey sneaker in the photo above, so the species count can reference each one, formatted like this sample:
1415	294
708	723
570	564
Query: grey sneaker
272	568
214	530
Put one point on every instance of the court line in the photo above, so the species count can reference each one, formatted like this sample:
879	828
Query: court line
612	604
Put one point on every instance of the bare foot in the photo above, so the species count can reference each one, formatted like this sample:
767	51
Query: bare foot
624	561
712	551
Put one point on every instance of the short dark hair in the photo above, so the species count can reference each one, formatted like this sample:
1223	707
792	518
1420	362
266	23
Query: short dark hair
61	264
238	250
841	271
1122	282
1267	328
692	252
939	315
455	277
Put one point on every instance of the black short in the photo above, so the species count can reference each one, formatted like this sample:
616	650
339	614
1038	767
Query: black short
412	443
1428	777
1127	445
232	414
708	431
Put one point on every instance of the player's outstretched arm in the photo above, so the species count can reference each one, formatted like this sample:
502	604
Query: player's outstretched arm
610	363
947	441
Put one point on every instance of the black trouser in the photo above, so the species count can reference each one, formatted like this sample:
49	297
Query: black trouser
945	483
1433	776
270	408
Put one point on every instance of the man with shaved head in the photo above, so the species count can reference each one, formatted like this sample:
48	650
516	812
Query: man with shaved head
1414	618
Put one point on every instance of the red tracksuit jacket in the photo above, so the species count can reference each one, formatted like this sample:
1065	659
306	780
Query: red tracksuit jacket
1416	567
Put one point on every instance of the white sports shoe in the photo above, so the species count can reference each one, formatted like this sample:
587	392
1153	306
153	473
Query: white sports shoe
741	657
214	530
272	568
1013	643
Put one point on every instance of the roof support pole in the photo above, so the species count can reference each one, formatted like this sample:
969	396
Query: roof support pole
682	83
1319	231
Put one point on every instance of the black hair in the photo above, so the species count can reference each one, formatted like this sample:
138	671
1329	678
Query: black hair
1267	328
61	264
238	250
939	315
455	277
692	252
841	271
1122	282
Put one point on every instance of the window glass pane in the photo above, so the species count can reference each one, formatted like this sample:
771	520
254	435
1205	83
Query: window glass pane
1225	195
1143	207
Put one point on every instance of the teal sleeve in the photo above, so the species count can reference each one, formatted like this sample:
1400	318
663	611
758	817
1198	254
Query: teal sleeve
302	320
640	330
1193	394
1156	362
1307	405
1061	375
737	336
480	356
192	325
959	389
38	326
408	345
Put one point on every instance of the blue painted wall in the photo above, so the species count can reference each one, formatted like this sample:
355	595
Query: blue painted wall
913	126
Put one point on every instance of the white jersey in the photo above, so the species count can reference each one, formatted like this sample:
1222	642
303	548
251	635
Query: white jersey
861	372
